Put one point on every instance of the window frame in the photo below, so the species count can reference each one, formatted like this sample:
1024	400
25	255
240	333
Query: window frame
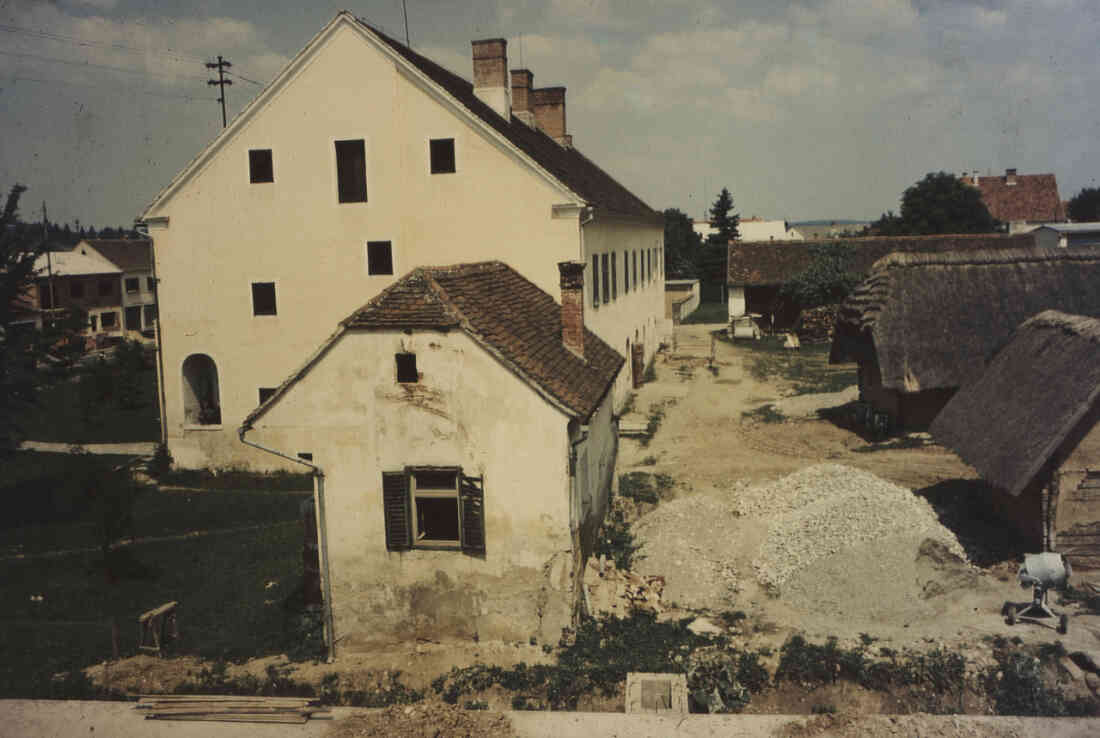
343	198
114	320
252	179
399	494
432	168
371	271
434	493
126	285
274	297
397	368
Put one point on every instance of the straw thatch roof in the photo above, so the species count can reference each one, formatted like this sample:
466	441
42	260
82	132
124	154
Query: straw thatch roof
770	263
935	320
1009	422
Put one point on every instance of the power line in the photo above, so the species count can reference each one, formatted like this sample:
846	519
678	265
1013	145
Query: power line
245	79
98	66
97	44
189	98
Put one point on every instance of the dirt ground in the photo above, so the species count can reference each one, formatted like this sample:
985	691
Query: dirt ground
710	449
713	453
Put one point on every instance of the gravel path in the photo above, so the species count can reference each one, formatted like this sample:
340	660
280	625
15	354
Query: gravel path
823	509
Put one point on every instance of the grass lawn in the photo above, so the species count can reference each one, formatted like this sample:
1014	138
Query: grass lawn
230	585
59	417
709	312
807	369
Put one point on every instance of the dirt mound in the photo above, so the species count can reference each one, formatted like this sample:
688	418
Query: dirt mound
688	541
425	719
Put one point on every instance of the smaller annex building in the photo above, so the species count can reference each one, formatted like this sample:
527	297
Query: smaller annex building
461	427
924	324
1030	425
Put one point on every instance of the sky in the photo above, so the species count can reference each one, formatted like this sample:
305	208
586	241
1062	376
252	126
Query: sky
817	109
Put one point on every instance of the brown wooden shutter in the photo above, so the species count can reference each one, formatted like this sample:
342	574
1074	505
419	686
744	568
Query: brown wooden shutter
395	506
471	497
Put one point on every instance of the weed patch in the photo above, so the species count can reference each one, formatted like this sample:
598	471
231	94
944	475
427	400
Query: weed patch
763	414
807	370
645	487
615	541
238	479
386	689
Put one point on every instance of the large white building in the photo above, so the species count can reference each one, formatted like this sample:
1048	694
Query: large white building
361	161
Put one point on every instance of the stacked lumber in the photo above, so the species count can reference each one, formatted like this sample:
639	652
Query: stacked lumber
228	708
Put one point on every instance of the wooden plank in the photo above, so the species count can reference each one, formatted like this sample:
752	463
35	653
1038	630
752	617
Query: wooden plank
221	698
295	719
157	611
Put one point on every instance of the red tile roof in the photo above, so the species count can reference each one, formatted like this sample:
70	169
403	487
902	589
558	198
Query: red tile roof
1033	198
504	312
567	165
769	263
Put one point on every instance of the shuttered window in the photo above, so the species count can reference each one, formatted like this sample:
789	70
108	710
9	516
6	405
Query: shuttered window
626	272
606	280
635	268
435	508
595	280
351	170
614	277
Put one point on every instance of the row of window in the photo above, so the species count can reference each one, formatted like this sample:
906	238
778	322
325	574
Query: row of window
605	272
104	288
133	318
351	165
379	261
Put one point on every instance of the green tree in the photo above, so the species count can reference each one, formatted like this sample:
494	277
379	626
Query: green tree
939	203
826	281
1084	207
682	245
722	221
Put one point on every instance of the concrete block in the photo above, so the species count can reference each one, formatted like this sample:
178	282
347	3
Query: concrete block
656	693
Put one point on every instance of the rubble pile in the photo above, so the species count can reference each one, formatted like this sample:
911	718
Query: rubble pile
827	508
611	591
689	540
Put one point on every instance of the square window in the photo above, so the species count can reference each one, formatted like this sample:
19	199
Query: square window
106	287
108	320
260	168
263	298
379	257
406	368
443	155
266	393
351	170
76	289
133	285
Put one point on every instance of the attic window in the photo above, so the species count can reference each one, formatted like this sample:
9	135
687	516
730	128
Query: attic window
443	155
260	168
263	298
351	170
406	369
379	257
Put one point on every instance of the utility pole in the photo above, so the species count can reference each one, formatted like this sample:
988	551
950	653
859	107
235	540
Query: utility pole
405	11
221	81
49	259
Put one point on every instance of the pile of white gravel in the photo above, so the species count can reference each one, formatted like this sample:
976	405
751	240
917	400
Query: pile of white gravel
824	509
688	541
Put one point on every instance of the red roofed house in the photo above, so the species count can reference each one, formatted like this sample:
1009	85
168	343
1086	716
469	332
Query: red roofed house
1023	201
462	425
359	162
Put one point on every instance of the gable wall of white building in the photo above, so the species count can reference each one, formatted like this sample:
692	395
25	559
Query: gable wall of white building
466	410
225	233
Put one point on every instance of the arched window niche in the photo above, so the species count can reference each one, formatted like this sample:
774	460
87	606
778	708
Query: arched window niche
201	401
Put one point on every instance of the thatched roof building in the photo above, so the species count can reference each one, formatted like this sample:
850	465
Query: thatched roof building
933	321
1035	392
1030	425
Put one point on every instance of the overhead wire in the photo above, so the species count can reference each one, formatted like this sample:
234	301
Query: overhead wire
75	63
189	98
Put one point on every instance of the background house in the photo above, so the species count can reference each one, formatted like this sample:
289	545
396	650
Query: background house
758	229
924	324
463	423
1029	425
1023	201
134	259
1067	235
681	298
360	161
756	271
82	279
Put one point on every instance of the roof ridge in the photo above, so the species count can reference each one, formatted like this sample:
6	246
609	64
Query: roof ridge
1082	326
984	257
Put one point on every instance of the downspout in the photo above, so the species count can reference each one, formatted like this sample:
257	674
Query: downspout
160	351
579	561
322	539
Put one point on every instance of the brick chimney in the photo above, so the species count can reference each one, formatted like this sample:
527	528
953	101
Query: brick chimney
550	114
1010	176
523	103
572	305
491	75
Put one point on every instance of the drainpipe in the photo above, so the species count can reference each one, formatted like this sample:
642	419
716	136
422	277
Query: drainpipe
322	539
157	343
575	523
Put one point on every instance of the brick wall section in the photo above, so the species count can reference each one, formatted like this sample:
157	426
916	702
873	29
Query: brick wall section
490	62
522	102
572	306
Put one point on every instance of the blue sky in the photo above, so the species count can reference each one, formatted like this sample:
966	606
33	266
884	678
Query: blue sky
811	109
